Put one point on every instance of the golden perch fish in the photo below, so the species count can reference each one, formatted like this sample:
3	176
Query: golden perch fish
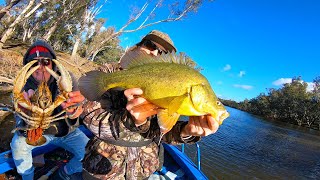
166	81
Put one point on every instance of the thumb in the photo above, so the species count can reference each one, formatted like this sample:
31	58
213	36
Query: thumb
25	95
30	93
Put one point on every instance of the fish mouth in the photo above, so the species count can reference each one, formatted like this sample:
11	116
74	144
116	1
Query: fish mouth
222	116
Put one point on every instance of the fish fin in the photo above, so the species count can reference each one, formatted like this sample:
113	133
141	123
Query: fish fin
137	58
90	87
175	104
166	121
181	58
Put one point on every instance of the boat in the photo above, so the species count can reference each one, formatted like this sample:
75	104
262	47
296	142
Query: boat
177	165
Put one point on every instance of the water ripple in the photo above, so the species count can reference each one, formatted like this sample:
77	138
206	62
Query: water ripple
246	147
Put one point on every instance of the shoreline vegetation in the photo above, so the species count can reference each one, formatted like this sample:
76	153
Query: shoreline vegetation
291	104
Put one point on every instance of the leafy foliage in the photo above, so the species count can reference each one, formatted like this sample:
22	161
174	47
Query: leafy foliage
292	103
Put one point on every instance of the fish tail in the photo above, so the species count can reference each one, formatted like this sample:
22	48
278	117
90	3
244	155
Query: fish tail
91	85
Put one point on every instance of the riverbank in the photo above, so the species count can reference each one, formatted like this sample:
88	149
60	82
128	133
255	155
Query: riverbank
303	123
6	126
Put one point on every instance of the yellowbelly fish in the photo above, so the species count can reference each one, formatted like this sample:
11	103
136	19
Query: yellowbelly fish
166	81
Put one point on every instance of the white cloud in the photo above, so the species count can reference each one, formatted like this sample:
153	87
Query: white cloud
103	29
241	73
310	86
246	87
227	67
282	81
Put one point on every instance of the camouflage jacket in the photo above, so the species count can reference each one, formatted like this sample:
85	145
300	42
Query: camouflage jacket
120	150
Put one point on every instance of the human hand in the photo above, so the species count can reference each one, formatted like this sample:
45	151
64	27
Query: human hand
27	95
73	104
200	126
138	106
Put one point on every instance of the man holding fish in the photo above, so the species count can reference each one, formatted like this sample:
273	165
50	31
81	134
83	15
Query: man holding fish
132	110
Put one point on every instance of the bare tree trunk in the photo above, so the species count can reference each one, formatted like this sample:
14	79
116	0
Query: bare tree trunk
6	35
75	48
6	9
6	80
25	31
96	50
87	18
49	33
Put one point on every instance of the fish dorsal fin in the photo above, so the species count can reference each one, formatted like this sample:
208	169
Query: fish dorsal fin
138	58
180	58
166	121
173	58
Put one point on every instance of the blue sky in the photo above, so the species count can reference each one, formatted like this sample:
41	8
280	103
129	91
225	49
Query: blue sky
243	46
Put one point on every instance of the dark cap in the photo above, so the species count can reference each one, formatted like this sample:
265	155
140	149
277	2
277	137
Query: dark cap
162	39
39	48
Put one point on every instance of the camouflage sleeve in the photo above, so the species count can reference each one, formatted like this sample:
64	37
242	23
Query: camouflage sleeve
151	130
174	135
99	115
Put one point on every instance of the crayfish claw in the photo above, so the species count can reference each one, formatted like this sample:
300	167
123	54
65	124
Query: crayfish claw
22	77
65	80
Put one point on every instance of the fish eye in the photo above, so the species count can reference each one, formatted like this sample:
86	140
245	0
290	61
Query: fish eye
219	103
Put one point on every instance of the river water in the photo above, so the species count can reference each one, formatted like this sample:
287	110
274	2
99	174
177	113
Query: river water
246	147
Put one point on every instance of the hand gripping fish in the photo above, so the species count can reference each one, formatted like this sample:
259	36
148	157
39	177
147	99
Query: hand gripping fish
166	81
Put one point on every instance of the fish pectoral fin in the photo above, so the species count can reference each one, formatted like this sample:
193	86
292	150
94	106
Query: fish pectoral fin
92	86
176	103
166	121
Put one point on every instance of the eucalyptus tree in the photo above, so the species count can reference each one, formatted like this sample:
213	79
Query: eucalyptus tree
6	9
85	25
26	12
316	88
109	51
65	13
148	15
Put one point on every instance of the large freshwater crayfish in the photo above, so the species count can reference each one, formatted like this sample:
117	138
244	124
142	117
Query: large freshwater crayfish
37	113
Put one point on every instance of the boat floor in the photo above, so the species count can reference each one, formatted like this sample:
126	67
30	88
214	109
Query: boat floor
56	158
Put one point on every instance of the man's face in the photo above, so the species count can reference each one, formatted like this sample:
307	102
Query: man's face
41	74
151	48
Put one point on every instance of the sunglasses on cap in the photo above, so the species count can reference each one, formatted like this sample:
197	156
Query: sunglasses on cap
151	46
42	61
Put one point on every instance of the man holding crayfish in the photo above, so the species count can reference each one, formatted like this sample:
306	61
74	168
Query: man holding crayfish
62	133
